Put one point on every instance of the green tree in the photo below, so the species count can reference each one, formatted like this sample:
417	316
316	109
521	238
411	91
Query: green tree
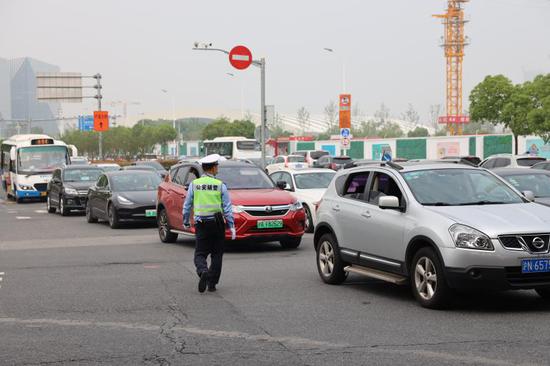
217	128
241	128
390	130
418	132
539	116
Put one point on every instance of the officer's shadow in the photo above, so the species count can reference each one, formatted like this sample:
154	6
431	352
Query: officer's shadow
243	246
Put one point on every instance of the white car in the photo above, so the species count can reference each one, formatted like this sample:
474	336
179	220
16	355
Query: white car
308	186
286	161
510	161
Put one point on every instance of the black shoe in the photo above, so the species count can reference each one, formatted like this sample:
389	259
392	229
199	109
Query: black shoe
211	288
203	281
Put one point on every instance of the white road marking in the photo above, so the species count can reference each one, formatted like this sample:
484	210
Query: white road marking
23	217
12	212
40	211
1	278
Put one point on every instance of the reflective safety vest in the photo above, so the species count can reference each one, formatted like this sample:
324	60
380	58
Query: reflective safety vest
207	193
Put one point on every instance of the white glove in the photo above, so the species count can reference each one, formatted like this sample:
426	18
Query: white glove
233	233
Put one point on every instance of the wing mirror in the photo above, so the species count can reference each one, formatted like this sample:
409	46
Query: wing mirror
389	202
281	184
529	195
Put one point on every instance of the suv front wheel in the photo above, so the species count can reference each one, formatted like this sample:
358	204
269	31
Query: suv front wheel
428	280
329	263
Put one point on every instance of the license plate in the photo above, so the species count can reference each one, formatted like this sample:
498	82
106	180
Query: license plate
298	166
269	224
43	194
535	265
150	213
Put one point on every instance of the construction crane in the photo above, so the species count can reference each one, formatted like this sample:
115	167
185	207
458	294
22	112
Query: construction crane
125	105
453	43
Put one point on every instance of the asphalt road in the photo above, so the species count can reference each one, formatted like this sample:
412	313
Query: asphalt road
83	294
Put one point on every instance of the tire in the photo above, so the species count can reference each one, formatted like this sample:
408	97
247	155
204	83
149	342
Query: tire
114	223
432	292
62	210
543	292
329	263
309	220
90	218
49	206
291	243
166	236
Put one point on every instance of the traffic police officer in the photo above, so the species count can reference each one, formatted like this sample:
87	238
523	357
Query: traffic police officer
210	201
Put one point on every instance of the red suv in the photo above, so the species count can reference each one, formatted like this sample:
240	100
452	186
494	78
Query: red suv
262	211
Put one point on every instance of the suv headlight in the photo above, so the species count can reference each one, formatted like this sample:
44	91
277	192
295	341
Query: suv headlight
124	201
469	238
238	209
296	206
24	187
71	191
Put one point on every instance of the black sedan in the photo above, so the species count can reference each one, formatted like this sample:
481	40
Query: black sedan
536	181
68	188
126	195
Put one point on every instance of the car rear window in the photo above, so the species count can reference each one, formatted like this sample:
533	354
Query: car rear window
318	154
529	161
296	159
244	177
341	160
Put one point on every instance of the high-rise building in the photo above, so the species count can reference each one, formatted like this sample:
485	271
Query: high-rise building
5	96
24	105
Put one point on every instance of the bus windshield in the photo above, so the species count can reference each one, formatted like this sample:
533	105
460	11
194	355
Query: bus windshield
41	158
223	148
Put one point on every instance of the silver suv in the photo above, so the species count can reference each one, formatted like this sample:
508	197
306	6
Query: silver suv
438	227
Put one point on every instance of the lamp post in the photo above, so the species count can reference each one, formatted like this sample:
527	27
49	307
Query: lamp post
165	91
258	63
331	50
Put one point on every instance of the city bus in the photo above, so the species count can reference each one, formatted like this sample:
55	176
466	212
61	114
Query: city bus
233	147
27	163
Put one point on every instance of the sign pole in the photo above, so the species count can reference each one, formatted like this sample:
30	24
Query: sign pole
263	122
98	96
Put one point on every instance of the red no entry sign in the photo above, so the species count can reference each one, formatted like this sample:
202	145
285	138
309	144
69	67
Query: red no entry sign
240	57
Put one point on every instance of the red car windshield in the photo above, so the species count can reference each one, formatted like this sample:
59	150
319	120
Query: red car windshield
244	177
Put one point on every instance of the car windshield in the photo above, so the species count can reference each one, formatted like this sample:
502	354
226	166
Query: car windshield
458	187
81	175
244	177
296	159
539	184
41	158
135	181
153	164
529	161
313	180
110	168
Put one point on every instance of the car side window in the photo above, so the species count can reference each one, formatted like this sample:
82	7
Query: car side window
285	177
279	160
355	186
501	162
191	176
173	173
275	177
488	164
383	185
180	175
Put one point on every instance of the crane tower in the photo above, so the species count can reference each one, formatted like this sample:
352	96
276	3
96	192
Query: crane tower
453	43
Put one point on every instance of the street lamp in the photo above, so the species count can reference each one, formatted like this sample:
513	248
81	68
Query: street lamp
331	50
165	91
258	63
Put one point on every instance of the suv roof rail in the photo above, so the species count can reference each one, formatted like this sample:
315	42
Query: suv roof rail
392	165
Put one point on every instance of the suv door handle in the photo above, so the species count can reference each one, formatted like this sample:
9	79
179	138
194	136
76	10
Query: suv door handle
336	207
366	214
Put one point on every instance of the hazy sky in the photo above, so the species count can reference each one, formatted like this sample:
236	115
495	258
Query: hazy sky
389	48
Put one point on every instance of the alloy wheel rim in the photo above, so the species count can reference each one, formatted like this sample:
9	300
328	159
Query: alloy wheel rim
425	278
308	224
61	205
111	215
48	204
326	258
163	224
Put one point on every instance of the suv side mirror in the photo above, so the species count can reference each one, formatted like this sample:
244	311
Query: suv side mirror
389	202
281	184
529	195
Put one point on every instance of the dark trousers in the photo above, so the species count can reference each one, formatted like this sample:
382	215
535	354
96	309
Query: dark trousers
209	241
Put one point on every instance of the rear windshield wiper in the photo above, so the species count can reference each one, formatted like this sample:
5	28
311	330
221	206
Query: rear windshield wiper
482	203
